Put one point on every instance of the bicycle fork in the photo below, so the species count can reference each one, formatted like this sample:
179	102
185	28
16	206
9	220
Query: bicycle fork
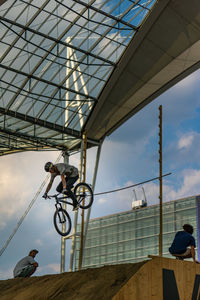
61	215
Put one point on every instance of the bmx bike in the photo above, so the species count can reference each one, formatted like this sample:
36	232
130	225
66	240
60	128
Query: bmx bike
84	197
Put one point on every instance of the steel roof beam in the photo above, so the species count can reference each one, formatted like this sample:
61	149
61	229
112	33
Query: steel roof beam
32	141
25	28
31	76
42	123
118	20
61	129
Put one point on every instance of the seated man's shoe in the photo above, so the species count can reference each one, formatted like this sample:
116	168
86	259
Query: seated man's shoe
179	257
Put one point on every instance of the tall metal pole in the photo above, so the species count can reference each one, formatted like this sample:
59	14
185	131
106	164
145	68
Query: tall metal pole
63	241
74	231
82	212
160	180
93	187
88	210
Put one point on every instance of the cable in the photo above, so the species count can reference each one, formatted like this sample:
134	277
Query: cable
130	186
26	211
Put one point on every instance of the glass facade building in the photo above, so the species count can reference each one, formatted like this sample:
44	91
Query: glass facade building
129	237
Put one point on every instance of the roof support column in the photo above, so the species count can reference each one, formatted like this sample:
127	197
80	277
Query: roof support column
63	240
82	212
160	179
88	210
76	216
93	187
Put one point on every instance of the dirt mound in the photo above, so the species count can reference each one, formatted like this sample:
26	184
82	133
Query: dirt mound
91	284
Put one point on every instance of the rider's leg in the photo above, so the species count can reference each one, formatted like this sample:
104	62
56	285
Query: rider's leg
59	188
69	183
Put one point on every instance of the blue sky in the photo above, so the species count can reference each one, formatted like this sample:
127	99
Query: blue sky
129	156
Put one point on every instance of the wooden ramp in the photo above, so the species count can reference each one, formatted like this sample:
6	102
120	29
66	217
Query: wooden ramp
154	279
163	279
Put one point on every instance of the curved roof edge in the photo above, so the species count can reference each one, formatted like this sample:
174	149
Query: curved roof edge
165	50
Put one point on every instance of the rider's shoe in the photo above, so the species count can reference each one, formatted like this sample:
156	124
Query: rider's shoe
66	194
76	207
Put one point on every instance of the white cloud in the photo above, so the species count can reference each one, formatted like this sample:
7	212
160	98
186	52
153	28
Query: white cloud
182	151
185	141
188	81
102	200
20	180
190	179
39	242
54	267
5	274
2	224
50	268
122	200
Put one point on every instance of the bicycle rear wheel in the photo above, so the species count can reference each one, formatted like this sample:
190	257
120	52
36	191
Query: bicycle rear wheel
61	217
84	195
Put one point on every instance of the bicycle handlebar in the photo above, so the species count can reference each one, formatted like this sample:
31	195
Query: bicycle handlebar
53	196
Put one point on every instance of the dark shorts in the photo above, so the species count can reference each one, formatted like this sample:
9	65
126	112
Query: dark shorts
186	253
69	184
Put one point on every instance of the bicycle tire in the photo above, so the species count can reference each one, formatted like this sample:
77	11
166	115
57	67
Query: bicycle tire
83	192
57	222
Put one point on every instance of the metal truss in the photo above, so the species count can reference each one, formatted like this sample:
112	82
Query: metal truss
56	58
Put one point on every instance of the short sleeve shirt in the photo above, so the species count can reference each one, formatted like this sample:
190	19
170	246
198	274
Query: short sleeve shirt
65	169
23	263
181	241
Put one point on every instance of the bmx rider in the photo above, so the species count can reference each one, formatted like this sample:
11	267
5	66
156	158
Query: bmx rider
69	175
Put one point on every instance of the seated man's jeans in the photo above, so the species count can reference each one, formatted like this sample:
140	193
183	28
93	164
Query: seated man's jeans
26	271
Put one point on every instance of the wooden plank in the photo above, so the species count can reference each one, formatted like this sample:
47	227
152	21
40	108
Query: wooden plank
147	283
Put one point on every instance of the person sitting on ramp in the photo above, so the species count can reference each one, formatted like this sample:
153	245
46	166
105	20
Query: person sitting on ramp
183	245
26	266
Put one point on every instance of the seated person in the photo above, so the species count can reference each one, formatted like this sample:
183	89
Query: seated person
183	245
26	266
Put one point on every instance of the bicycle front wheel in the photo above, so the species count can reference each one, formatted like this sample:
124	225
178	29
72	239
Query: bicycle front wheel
84	195
62	222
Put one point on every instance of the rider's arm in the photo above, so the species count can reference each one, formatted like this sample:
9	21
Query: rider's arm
49	185
193	254
35	264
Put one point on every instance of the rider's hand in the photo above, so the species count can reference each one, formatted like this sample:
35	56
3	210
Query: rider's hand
45	196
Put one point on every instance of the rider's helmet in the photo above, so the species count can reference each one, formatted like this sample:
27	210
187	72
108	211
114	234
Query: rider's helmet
48	166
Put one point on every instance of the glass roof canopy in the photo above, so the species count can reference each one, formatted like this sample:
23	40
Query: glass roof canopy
55	59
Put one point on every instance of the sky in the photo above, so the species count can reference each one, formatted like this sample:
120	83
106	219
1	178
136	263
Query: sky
128	156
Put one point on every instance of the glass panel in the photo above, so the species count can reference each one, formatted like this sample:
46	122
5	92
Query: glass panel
132	236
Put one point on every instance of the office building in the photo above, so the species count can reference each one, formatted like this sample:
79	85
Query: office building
130	236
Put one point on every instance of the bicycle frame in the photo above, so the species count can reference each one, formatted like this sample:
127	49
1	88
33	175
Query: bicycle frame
60	199
81	195
61	216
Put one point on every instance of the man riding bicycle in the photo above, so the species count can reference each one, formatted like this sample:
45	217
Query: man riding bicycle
69	175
